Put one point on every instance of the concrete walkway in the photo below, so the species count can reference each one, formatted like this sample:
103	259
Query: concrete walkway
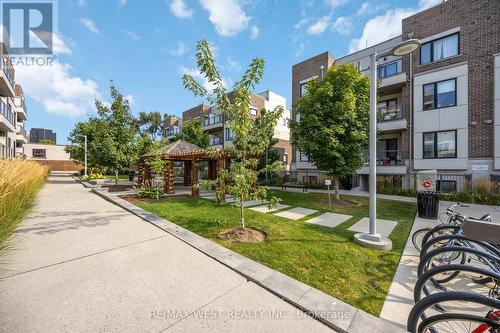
399	300
78	263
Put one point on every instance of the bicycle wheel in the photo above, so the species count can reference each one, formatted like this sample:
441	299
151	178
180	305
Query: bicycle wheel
457	240
439	231
431	301
459	323
418	236
422	285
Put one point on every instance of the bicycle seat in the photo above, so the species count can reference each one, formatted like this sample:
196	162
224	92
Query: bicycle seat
485	217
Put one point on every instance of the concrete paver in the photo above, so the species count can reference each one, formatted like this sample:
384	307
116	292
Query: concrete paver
384	227
78	263
265	208
329	219
296	213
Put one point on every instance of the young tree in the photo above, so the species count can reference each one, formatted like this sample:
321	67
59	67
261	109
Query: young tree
158	166
193	132
110	134
332	121
150	123
251	136
47	142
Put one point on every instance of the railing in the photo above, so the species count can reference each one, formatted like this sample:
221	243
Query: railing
173	131
390	69
6	111
387	157
215	141
6	72
390	113
23	132
208	121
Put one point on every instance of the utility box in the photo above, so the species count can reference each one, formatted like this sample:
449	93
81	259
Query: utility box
427	196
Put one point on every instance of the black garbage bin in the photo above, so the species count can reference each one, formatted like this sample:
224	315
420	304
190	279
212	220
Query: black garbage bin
131	176
346	183
428	204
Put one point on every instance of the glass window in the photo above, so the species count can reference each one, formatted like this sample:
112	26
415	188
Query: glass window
446	145
303	89
446	93
303	157
39	153
388	69
229	134
438	49
285	158
428	145
429	96
253	111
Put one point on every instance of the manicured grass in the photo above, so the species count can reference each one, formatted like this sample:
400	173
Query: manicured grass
322	257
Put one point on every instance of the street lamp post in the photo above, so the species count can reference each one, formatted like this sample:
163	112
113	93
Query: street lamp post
373	239
85	138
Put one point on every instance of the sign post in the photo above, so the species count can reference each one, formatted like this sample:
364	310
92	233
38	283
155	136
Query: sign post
328	183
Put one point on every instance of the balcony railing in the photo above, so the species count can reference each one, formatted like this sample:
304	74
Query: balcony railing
173	131
387	157
5	68
23	132
390	113
208	121
215	141
6	111
390	69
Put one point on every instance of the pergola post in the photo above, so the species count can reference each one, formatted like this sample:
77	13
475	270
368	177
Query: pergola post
140	176
168	187
187	173
147	176
195	191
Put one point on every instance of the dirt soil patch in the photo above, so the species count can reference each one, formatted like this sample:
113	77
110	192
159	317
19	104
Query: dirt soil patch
133	198
343	203
239	235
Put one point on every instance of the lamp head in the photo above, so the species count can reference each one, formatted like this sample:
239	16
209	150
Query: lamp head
406	47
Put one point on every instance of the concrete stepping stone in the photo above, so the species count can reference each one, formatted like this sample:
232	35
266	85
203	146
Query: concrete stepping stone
251	203
296	213
329	219
265	209
384	227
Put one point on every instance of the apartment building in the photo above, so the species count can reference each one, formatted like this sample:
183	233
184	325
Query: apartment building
220	136
38	134
13	112
439	107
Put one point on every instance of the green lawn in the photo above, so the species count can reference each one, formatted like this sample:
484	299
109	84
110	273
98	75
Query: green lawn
322	257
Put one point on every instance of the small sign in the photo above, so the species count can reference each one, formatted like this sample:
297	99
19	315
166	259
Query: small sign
480	167
426	180
328	182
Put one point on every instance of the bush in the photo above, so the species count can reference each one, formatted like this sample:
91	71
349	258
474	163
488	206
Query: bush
19	182
150	193
95	175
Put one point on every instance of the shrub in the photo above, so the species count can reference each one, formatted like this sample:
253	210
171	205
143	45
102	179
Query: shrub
19	182
150	193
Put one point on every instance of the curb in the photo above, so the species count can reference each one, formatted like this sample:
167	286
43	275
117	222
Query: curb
329	310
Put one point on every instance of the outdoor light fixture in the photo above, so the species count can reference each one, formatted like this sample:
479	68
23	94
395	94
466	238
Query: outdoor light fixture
373	239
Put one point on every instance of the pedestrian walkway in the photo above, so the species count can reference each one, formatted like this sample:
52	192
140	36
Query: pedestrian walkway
296	213
331	220
79	263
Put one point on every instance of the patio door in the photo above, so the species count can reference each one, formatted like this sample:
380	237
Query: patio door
391	148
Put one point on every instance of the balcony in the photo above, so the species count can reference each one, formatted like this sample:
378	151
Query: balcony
7	120
215	141
172	131
388	162
391	118
213	122
7	79
391	74
21	134
22	112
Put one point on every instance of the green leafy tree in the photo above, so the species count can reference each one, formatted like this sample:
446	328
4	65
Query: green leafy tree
47	142
193	132
333	121
111	135
150	123
251	137
157	166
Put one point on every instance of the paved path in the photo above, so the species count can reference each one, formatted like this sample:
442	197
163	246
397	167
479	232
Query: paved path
78	263
399	300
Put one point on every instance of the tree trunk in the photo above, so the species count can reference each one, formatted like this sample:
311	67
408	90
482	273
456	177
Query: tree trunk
116	176
242	216
337	194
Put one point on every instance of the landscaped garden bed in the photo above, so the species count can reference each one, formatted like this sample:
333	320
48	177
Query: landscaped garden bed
322	257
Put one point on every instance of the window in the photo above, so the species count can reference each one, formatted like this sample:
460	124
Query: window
285	158
441	48
440	94
229	134
39	153
440	144
303	89
389	69
303	157
446	186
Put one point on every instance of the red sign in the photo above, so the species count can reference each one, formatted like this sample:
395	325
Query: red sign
426	184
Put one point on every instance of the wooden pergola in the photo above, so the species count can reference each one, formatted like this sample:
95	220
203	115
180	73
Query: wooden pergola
191	155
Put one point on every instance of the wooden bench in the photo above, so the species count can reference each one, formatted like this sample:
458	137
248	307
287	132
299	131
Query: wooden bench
302	186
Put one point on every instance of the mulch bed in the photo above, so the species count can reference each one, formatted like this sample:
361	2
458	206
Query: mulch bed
133	198
239	235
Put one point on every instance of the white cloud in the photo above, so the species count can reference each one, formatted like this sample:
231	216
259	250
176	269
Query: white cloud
370	8
300	50
180	50
320	26
132	35
342	25
336	3
301	23
56	88
424	4
254	32
180	9
227	16
130	99
122	3
233	64
89	24
195	73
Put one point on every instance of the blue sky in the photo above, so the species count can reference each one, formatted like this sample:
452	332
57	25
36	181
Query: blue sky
146	46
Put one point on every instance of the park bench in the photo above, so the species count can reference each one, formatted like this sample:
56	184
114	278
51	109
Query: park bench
292	185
